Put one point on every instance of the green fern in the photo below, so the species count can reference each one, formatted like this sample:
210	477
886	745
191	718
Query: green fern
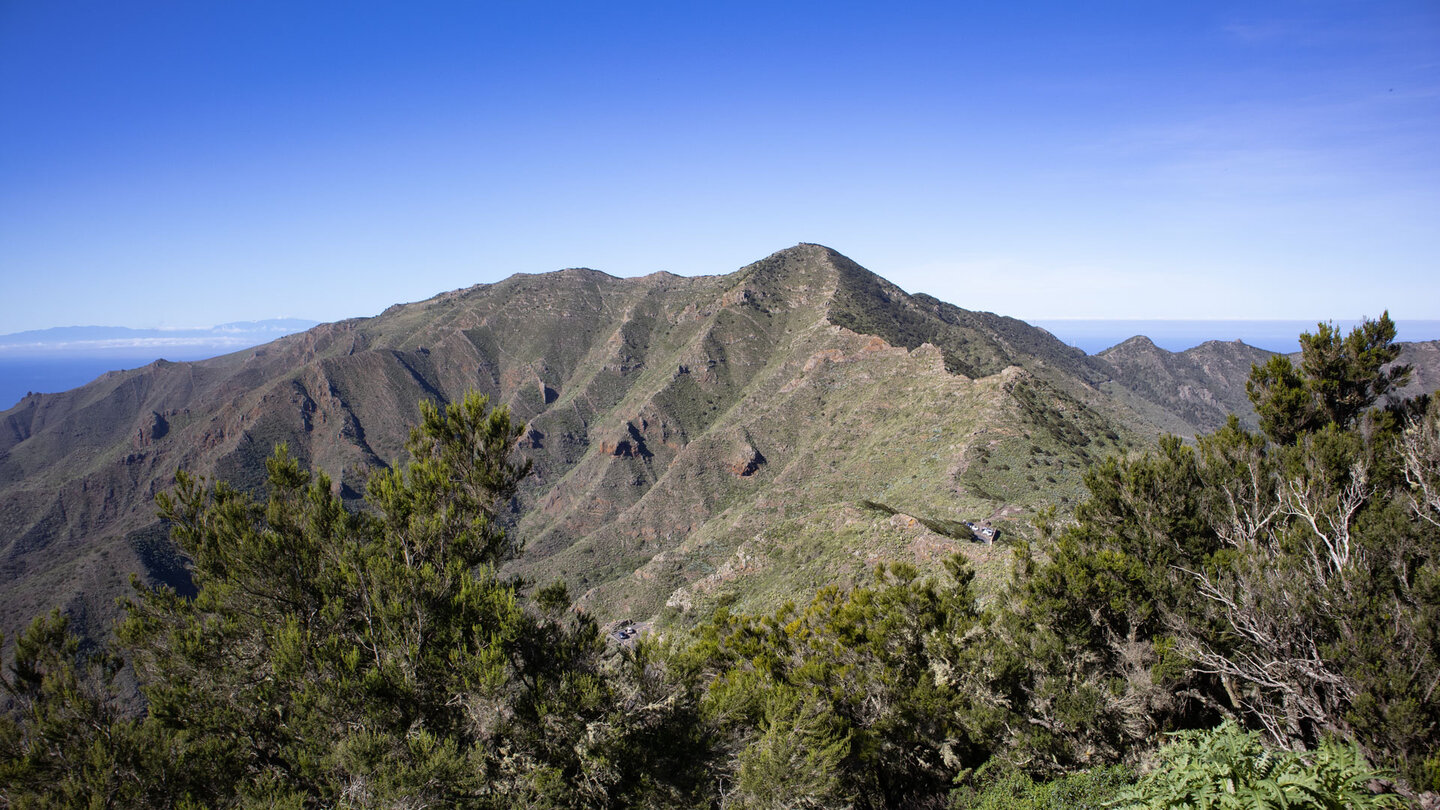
1228	767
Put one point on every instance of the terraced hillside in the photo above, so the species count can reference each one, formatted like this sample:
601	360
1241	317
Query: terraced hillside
743	437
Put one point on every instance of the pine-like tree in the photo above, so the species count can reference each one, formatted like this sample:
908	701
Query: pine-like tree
1339	378
355	659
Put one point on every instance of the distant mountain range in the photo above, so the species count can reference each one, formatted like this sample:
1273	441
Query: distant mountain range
51	360
1097	335
742	438
75	340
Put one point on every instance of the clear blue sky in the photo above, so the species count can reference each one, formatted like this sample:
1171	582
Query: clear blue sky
191	163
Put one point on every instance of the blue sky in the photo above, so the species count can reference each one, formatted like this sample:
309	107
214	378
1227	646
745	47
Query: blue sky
192	163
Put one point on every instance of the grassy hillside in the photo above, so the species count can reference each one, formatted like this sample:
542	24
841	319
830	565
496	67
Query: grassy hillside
695	440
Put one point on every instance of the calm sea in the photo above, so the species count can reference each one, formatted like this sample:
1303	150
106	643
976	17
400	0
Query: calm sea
53	372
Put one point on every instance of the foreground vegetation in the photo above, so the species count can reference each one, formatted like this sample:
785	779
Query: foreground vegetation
1251	621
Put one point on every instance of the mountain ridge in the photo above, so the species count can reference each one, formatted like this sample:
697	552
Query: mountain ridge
696	440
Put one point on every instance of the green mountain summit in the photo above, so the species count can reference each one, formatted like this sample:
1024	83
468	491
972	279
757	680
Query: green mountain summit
716	439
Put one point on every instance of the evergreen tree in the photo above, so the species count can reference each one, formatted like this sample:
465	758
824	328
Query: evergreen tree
339	656
862	699
1339	378
64	739
1289	584
351	659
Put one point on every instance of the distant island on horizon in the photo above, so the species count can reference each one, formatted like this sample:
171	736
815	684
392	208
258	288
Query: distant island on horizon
57	359
98	340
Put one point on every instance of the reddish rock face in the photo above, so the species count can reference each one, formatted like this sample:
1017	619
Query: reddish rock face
745	462
152	428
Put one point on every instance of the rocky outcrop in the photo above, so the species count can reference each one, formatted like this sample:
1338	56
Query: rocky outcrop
744	460
152	428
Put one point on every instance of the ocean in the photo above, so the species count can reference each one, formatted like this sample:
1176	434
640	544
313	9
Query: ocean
52	372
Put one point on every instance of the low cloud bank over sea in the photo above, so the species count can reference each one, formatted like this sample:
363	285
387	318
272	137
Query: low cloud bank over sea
50	360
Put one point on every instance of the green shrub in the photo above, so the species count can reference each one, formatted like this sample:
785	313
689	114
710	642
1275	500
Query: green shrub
1083	790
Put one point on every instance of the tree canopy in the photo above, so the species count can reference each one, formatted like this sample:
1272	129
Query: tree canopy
1339	378
337	658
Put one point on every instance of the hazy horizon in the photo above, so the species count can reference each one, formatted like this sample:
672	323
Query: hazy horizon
1178	334
1089	334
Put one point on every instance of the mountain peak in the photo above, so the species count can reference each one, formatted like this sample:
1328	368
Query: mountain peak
773	396
1138	343
807	249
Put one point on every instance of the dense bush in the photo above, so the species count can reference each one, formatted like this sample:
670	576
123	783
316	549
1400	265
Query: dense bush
332	658
858	700
1093	789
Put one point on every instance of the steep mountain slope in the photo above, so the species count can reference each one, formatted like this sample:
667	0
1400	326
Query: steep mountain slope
1202	386
727	438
